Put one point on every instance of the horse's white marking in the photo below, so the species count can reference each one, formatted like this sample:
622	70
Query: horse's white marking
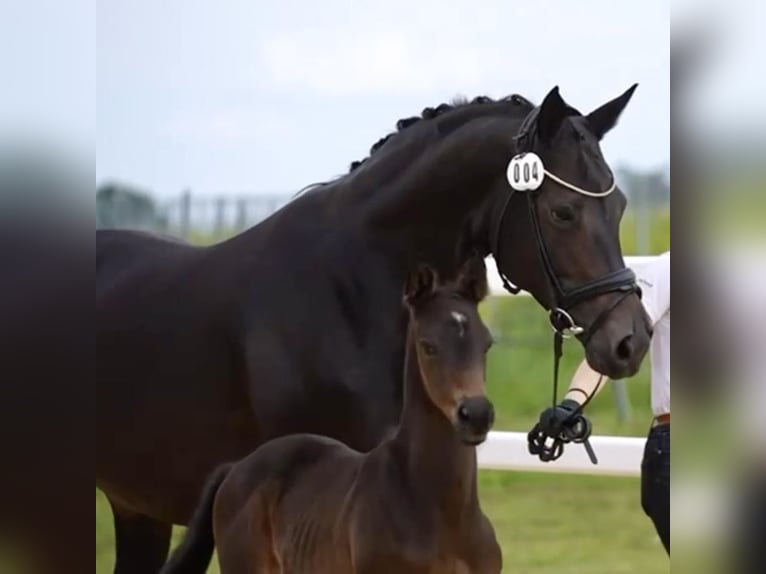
461	320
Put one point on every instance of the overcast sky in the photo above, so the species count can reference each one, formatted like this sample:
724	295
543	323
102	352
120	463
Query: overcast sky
253	96
243	96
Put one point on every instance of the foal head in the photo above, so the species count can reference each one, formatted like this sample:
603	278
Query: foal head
451	343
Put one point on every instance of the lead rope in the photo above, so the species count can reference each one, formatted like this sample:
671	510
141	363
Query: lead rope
576	429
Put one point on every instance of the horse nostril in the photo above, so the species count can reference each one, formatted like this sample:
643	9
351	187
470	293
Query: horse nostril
477	413
625	348
462	414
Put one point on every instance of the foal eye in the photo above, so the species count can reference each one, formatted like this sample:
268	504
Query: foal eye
563	214
428	348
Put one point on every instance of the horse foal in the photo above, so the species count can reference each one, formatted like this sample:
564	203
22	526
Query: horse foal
309	504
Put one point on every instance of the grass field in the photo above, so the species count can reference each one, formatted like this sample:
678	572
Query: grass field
546	523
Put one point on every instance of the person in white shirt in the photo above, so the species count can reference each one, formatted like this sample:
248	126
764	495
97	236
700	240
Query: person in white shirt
653	276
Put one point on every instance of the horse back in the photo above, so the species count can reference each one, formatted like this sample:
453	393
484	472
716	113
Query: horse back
122	253
292	491
289	463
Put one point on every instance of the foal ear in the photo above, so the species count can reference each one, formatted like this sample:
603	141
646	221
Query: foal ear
553	110
604	118
472	281
420	284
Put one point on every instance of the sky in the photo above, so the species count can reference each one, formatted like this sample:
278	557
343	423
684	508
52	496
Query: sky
248	97
47	74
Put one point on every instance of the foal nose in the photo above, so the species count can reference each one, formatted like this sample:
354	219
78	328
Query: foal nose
477	414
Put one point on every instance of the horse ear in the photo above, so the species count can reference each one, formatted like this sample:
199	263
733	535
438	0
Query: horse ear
604	118
472	281
420	284
553	110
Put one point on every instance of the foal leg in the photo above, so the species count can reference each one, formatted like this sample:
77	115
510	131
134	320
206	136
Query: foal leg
142	542
483	554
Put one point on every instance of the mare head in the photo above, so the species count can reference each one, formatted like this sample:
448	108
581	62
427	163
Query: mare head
561	240
450	343
555	235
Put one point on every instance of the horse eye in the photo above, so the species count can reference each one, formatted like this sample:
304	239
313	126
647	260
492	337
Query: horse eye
428	348
563	214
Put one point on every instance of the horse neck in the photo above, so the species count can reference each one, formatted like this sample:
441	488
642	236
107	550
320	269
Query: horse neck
420	202
440	202
437	465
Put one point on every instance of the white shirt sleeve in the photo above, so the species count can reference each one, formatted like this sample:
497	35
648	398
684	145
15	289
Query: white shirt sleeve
654	279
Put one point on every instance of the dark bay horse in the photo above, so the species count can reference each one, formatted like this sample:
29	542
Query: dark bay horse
296	324
307	503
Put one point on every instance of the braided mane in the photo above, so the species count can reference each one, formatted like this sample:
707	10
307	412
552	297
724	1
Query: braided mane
430	113
426	114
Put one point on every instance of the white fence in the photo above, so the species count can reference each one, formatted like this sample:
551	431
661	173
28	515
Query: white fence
617	456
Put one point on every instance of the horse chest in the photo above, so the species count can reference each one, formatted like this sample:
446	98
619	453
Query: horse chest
408	544
406	560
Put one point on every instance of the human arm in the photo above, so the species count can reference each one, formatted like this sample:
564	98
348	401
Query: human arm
565	422
585	384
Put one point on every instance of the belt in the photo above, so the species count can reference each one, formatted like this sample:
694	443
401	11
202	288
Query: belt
661	420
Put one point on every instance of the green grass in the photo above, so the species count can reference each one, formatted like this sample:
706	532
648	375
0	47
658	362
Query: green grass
658	232
573	524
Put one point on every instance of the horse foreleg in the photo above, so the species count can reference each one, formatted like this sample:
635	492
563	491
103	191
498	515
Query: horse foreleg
142	542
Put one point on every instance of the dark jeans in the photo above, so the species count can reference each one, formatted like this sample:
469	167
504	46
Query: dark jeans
748	552
655	481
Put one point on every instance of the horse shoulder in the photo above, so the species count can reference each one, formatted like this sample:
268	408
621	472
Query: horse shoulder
389	531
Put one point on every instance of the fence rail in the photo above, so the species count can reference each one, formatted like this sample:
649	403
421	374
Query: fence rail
617	456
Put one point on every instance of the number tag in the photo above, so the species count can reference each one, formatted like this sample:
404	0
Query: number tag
525	172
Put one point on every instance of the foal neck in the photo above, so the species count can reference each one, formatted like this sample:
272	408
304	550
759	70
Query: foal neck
437	465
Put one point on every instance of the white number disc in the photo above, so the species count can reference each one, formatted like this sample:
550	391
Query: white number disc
525	172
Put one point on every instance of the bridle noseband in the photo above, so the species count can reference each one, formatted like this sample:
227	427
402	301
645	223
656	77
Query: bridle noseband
526	173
